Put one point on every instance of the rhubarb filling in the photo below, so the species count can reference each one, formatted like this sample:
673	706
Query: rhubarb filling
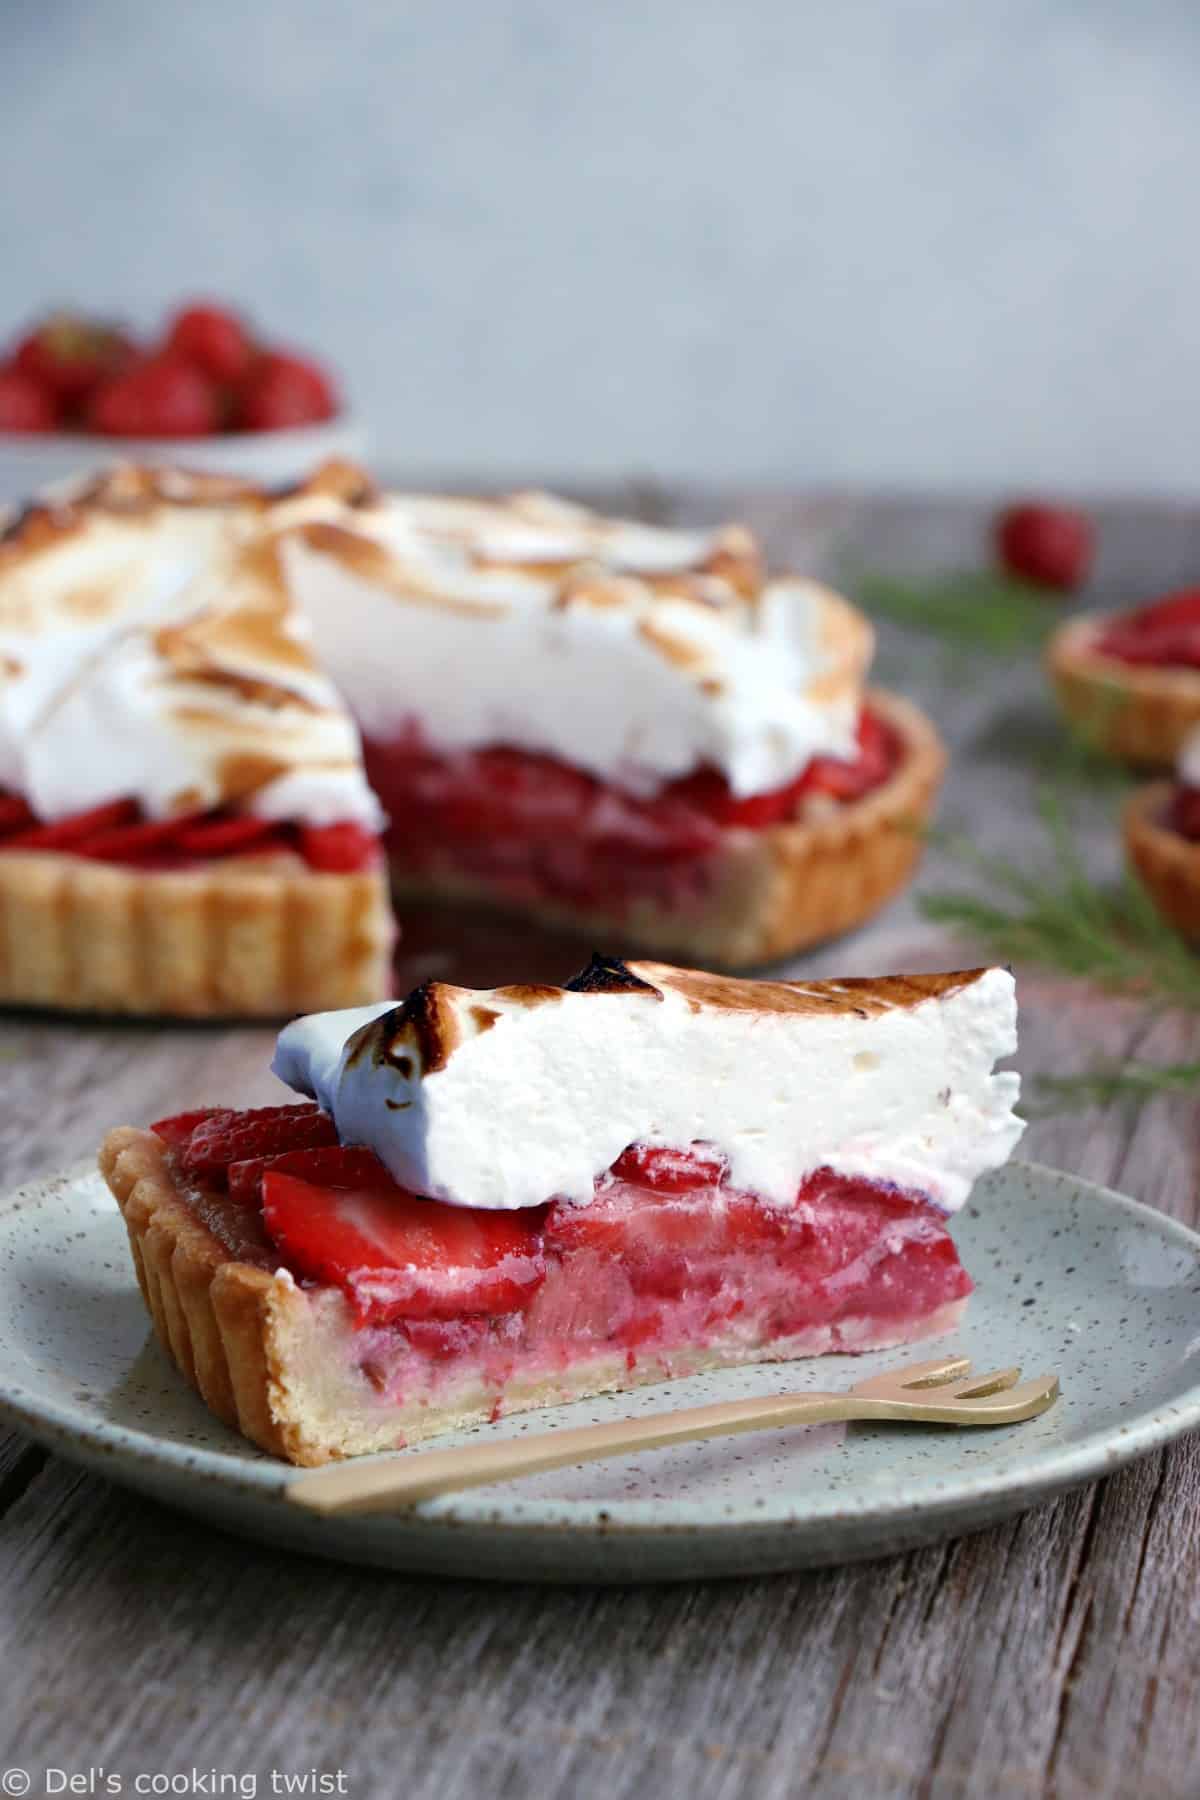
539	828
120	833
667	1259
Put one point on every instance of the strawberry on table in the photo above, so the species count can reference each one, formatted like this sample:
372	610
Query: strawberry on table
338	1216
1050	546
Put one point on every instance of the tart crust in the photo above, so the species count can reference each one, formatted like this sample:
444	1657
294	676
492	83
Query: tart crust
1137	712
1168	864
267	1357
242	937
775	891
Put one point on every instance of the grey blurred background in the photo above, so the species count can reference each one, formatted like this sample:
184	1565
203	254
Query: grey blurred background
918	243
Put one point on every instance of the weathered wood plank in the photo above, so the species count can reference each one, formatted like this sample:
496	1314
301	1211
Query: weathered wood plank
1057	1654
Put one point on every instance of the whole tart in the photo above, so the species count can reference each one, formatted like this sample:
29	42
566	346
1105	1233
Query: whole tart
1138	712
505	1199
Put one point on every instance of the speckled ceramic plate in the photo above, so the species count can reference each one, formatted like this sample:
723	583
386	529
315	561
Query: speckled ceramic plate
1070	1278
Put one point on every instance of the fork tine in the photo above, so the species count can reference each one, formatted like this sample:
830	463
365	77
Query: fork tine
897	1382
1021	1402
995	1382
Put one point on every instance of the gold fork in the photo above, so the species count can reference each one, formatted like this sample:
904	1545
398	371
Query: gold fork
927	1393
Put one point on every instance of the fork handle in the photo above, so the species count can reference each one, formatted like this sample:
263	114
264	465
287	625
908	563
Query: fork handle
367	1487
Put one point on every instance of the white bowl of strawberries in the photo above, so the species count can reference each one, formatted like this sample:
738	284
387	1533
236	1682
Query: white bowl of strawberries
209	393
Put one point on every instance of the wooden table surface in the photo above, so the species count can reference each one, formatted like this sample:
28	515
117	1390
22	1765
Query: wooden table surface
1058	1654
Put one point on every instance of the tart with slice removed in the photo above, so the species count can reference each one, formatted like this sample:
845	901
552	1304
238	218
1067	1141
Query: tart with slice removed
228	716
505	1199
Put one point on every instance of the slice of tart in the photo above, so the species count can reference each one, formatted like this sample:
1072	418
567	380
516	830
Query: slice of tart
626	730
1130	682
185	826
1161	825
505	1199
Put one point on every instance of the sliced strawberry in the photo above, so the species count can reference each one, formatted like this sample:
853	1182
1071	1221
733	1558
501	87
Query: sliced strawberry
396	1256
220	835
130	843
230	1137
68	833
338	849
334	1164
177	1130
670	1171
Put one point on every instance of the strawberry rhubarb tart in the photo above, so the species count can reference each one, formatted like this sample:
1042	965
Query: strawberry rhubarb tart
503	1199
225	711
1131	682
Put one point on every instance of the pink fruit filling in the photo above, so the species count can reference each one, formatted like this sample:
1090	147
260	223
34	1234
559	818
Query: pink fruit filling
535	828
666	1260
119	832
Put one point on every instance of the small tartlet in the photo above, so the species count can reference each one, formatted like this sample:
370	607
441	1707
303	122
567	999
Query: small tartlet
1167	862
1139	713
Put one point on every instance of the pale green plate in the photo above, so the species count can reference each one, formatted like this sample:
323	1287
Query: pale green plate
1070	1278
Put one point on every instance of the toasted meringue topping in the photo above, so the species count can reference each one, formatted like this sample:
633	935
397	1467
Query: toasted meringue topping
185	620
149	648
508	1097
634	652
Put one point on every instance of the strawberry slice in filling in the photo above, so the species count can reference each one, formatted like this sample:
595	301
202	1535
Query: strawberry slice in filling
667	1259
118	832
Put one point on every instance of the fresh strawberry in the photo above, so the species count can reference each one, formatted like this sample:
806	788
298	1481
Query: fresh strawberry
177	1130
338	849
229	1137
1050	546
162	397
68	833
214	339
69	356
282	390
26	405
396	1256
